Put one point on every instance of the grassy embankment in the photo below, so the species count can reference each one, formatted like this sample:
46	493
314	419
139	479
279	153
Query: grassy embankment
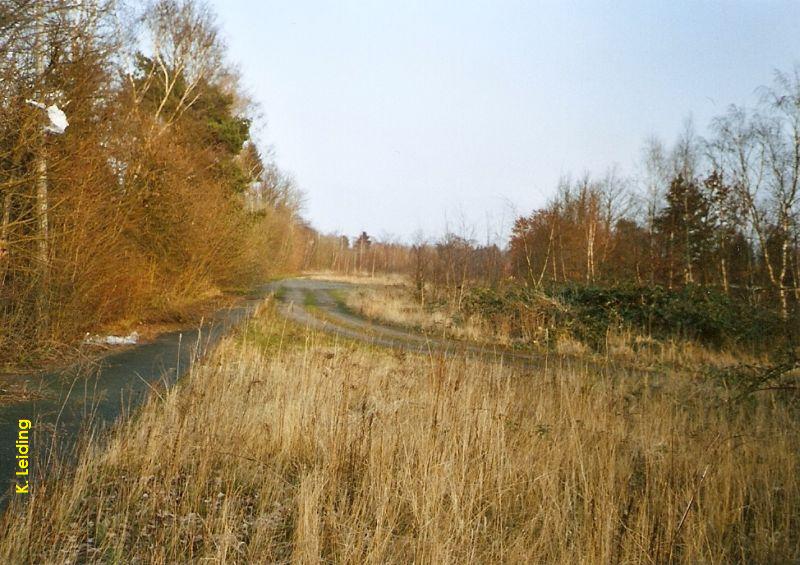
290	446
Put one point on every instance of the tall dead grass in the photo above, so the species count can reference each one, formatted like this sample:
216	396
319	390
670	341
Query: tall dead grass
288	447
391	301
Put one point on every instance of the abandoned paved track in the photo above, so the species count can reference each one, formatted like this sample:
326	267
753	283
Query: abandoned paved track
315	304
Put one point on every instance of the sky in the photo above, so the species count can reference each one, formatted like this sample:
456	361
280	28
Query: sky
398	117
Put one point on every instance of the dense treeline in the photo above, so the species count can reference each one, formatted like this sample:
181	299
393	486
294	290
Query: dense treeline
705	241
720	212
153	196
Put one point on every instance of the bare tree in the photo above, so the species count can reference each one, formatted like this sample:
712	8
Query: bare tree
740	150
187	52
655	179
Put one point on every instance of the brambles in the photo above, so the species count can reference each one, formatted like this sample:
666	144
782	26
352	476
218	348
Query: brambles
692	312
589	313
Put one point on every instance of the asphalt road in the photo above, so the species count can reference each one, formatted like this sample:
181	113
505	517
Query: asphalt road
315	304
75	402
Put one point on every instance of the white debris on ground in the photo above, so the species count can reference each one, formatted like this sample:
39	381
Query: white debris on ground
131	339
58	119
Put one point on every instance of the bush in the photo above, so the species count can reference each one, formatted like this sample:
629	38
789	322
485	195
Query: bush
693	312
589	312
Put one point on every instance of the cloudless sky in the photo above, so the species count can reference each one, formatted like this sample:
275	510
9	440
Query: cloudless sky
396	116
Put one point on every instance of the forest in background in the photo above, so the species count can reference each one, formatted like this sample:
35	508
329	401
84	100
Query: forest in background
650	414
154	197
703	242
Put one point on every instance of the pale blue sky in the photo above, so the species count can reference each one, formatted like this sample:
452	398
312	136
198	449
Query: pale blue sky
398	116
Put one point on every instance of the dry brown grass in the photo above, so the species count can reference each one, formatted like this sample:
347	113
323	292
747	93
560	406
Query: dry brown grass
287	447
379	279
391	301
681	354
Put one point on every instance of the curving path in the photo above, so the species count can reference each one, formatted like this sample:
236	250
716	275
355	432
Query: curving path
312	303
74	402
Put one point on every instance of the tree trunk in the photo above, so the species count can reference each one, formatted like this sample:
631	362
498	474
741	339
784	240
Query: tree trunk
546	258
42	205
723	267
670	258
590	252
5	251
784	267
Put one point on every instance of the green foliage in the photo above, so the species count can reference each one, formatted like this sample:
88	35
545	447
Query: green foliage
527	314
589	312
230	132
685	223
209	118
695	312
214	109
489	302
230	174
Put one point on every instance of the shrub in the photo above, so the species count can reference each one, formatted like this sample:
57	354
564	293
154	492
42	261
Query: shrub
590	312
